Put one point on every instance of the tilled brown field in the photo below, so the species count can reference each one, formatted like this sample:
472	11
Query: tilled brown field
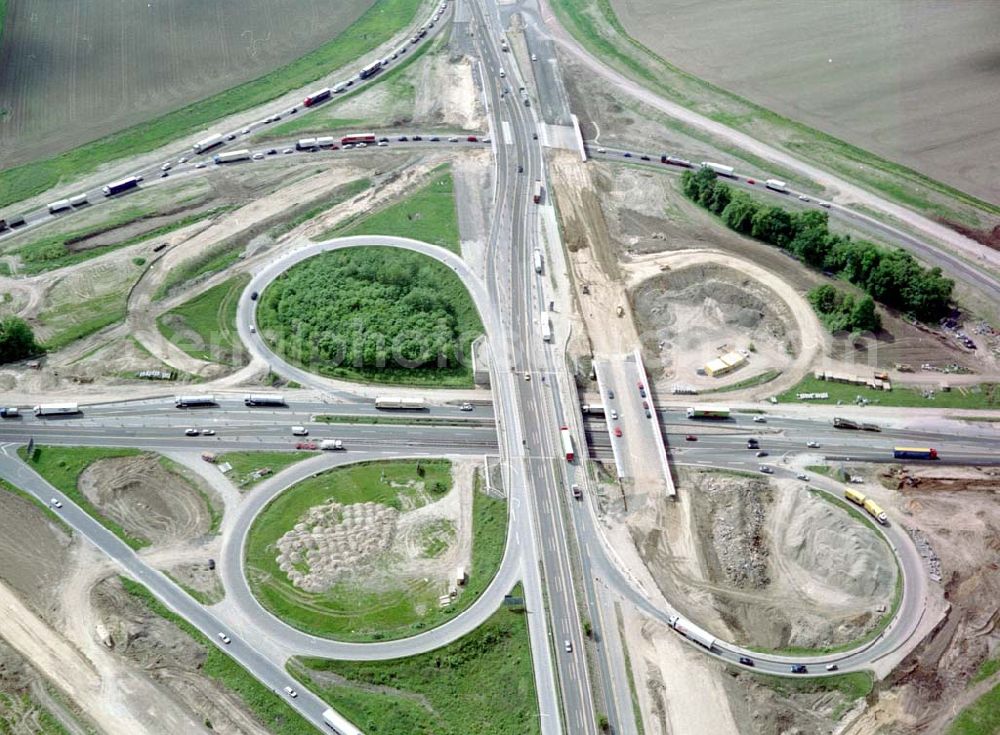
912	80
73	70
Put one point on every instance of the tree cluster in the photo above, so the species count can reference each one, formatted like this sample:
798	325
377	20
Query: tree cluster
892	277
370	309
17	341
841	312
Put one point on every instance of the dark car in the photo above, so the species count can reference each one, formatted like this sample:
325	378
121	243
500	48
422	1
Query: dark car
627	154
645	158
272	151
418	137
611	394
254	295
746	661
383	139
211	564
648	414
761	453
691	438
799	669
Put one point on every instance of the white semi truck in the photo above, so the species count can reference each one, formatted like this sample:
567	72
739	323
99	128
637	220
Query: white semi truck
230	156
538	261
331	444
691	631
208	143
56	409
775	185
720	168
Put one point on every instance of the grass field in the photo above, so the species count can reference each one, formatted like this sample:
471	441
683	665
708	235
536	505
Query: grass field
481	683
212	316
211	261
349	611
373	314
62	467
274	36
597	26
266	705
73	321
980	718
428	214
53	251
246	463
984	396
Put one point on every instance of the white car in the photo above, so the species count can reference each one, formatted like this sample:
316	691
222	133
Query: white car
802	476
804	198
245	131
466	407
361	145
182	159
291	692
288	150
56	503
568	645
257	156
534	57
759	420
765	469
812	445
200	164
614	415
382	144
192	432
225	638
167	166
208	432
300	431
453	139
602	150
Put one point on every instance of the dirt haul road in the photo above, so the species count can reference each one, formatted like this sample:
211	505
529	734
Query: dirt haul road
849	193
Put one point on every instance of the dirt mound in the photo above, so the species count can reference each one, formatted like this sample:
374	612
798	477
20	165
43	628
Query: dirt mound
34	552
169	656
332	540
989	238
783	567
734	515
940	479
729	310
147	499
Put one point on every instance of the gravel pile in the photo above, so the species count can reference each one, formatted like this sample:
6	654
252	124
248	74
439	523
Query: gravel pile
333	540
738	518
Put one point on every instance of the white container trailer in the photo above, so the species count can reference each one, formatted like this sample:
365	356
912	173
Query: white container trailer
339	724
230	156
546	329
56	409
305	144
720	168
194	401
691	631
208	143
59	206
331	444
79	200
325	142
776	185
415	404
538	261
263	399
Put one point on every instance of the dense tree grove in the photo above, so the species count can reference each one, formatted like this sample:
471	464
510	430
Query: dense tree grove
380	313
840	311
892	277
17	341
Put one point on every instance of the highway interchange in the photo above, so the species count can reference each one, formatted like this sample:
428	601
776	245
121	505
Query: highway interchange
555	547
